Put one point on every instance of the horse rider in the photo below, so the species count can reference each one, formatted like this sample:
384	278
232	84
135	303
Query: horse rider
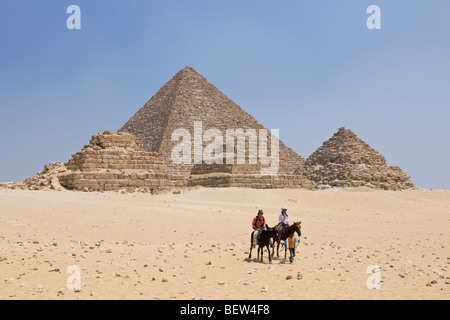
258	224
283	220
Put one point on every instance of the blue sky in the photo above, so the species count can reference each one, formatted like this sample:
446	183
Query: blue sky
303	67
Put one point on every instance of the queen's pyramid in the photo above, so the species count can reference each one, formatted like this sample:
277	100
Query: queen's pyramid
347	161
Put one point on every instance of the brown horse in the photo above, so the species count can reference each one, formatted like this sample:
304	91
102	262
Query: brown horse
282	236
263	241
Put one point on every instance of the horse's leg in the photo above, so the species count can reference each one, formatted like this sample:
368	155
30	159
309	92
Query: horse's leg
251	245
278	247
268	251
262	252
274	239
258	252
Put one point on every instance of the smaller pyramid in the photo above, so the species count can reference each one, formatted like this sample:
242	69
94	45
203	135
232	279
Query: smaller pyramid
347	161
114	161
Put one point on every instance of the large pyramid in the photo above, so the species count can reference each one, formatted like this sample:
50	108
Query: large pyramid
188	97
346	161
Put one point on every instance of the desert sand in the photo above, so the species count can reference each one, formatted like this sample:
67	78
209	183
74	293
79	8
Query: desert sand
195	245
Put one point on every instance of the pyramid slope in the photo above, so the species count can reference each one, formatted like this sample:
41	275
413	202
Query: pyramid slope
346	161
186	98
344	147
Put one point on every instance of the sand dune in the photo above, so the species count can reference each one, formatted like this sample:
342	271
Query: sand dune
195	245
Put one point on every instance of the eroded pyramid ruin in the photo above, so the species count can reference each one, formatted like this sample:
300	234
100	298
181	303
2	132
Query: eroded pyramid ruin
347	161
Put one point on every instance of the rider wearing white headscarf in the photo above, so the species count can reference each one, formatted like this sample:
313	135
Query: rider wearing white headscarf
283	218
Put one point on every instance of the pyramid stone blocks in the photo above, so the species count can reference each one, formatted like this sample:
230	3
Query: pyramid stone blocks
246	175
114	161
346	161
188	98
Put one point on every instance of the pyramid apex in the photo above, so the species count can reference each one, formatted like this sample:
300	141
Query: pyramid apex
342	131
188	69
187	72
